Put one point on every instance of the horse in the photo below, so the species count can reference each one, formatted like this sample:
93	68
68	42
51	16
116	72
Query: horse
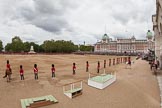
8	74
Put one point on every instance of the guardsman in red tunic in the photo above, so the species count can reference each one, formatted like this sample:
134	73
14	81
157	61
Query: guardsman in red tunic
129	60
98	67
116	60
35	71
21	73
53	71
87	66
113	61
104	63
7	68
74	68
8	65
109	62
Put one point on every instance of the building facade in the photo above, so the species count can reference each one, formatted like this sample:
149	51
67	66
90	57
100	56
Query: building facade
157	28
125	45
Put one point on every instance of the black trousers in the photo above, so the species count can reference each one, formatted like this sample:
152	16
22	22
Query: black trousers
36	75
53	74
73	72
98	70
22	77
104	65
87	69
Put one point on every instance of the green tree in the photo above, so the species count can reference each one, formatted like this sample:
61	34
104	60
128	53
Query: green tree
1	46
48	45
41	48
17	44
60	46
26	47
8	47
86	48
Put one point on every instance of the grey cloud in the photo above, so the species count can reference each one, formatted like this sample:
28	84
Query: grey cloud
128	10
27	14
55	25
121	18
47	15
48	7
73	19
55	6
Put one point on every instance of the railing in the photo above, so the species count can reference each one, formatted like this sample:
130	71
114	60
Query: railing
72	85
93	74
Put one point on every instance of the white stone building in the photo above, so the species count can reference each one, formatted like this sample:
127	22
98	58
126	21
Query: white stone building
125	45
157	28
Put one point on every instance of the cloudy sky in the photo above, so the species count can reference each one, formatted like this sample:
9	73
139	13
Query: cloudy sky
76	20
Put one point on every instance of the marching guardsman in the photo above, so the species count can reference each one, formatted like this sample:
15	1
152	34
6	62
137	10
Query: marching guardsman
87	66
113	61
98	67
104	63
21	72
53	71
129	60
35	71
7	68
74	68
109	62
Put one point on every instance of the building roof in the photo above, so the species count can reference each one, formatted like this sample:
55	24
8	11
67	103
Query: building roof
149	34
105	36
133	37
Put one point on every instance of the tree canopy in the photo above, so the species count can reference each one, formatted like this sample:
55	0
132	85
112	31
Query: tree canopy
48	46
86	48
59	46
1	46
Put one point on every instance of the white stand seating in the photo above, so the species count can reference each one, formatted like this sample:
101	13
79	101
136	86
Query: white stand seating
74	90
101	81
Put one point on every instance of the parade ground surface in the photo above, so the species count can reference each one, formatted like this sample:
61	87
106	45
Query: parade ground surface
134	88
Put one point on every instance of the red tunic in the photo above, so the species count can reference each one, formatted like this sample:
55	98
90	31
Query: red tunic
21	71
35	70
8	66
87	65
98	66
53	69
129	60
74	67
